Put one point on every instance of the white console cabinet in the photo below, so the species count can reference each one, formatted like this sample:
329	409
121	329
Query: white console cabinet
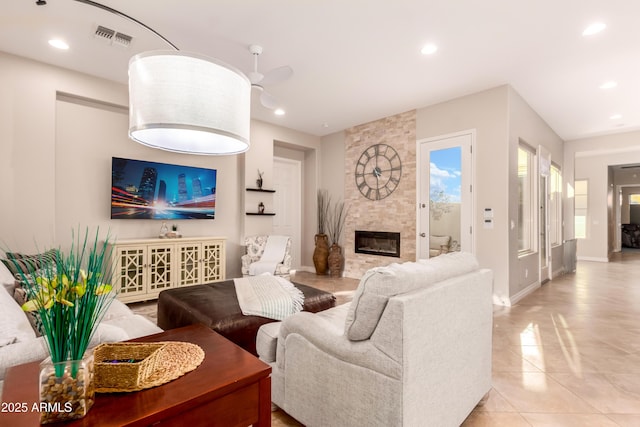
145	267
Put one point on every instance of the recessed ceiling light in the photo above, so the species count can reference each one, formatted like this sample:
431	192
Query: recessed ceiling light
616	117
429	49
608	85
279	112
58	44
594	28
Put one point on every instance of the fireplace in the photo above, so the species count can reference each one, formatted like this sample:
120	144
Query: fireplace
378	243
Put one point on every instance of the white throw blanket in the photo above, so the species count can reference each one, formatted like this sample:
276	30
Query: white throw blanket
268	296
274	251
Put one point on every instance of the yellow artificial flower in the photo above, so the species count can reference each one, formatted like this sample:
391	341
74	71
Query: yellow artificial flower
103	289
79	289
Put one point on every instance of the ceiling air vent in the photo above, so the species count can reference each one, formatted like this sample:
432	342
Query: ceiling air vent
111	37
104	33
122	40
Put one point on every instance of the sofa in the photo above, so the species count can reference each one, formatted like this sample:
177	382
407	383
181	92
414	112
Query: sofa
20	343
630	236
413	348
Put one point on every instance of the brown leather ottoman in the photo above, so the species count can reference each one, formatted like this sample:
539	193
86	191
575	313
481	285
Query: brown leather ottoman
216	306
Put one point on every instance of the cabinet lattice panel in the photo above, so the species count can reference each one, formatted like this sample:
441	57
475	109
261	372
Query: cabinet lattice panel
189	265
213	254
131	270
160	268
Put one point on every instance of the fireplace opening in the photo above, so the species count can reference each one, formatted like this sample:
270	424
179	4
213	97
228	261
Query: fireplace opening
378	243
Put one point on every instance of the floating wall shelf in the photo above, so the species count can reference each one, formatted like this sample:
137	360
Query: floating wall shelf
262	190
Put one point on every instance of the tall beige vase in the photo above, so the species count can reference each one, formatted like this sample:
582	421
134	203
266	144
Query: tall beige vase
321	254
335	260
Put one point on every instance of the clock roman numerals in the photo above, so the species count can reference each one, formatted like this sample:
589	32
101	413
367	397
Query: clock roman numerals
378	171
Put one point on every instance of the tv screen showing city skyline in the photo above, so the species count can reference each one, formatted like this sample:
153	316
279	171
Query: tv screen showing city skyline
151	190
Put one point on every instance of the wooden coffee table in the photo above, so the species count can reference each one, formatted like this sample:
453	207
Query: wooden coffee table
230	388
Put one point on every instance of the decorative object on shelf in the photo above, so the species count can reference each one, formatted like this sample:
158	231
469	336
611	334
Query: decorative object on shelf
126	366
70	293
164	230
260	208
166	234
321	251
259	181
378	171
335	226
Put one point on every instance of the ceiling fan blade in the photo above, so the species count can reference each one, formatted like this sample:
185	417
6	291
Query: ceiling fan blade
277	75
268	100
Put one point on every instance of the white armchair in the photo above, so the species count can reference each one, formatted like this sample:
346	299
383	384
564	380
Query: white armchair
439	245
412	348
254	250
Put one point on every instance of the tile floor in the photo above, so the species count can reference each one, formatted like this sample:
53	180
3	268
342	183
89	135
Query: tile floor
566	355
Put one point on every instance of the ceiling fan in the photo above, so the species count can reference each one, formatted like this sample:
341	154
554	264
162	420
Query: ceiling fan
259	80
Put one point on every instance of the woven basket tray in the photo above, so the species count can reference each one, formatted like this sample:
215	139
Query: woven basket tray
123	367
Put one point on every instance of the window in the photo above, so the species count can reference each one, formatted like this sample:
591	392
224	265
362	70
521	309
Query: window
634	199
526	216
555	207
580	208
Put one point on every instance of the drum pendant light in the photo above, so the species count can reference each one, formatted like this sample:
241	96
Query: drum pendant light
188	103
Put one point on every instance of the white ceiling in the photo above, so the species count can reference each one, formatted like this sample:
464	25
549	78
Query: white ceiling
355	61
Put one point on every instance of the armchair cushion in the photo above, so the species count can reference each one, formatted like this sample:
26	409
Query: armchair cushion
379	284
435	242
255	247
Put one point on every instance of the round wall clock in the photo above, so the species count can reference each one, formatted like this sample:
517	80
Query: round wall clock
378	171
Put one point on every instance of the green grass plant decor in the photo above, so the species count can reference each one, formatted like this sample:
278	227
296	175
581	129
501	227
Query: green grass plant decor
70	294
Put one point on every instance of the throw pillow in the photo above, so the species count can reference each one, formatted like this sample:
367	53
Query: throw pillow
17	262
20	295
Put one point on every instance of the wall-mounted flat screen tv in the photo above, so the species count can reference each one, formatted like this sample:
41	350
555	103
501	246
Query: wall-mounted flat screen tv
150	190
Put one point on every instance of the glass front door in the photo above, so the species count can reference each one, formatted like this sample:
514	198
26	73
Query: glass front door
445	220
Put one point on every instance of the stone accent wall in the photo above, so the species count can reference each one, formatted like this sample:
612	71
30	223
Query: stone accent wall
396	212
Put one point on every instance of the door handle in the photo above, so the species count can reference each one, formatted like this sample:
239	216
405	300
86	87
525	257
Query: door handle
423	234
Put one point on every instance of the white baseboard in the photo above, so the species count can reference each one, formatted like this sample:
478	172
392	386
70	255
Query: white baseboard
502	301
523	293
591	258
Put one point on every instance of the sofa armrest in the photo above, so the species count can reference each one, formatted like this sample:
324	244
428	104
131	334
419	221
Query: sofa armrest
328	338
32	350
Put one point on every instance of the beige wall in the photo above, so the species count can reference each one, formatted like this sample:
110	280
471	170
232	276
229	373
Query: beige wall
589	159
56	161
498	117
486	113
526	125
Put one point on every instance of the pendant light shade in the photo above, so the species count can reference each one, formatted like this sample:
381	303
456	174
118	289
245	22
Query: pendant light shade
188	104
